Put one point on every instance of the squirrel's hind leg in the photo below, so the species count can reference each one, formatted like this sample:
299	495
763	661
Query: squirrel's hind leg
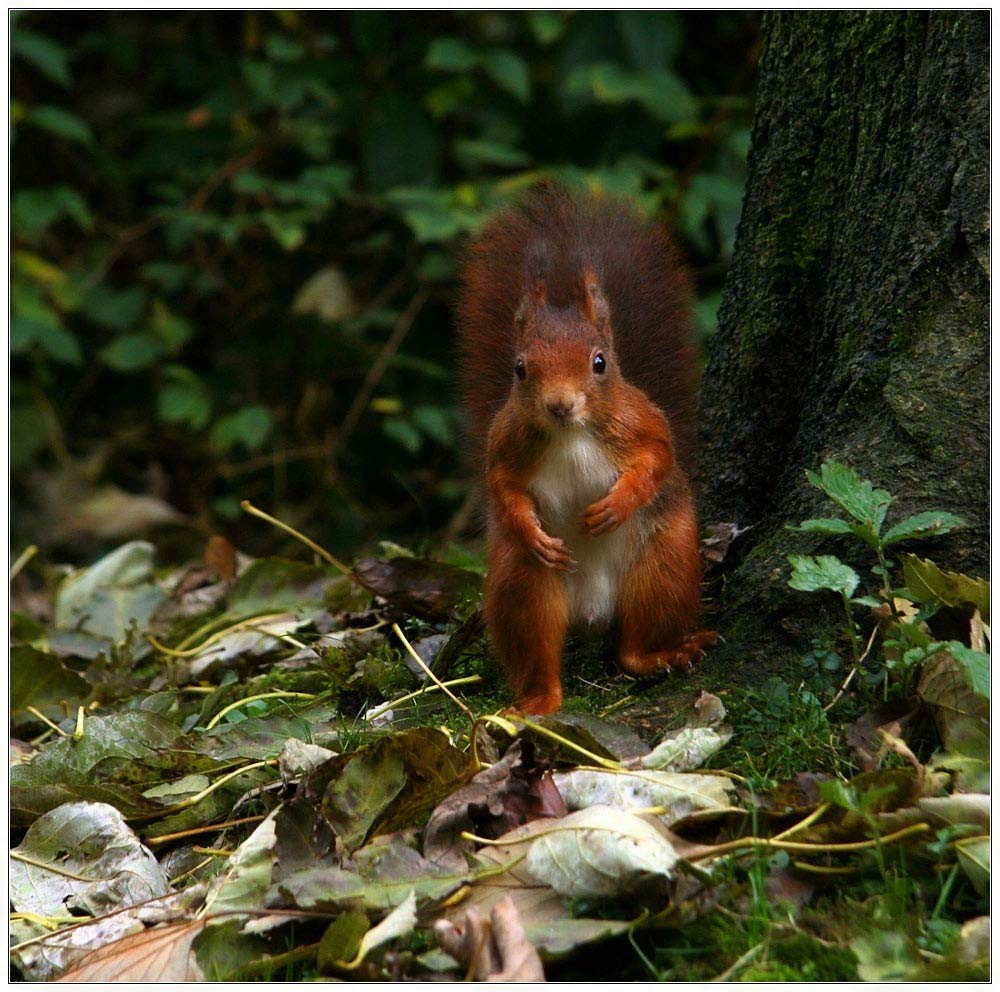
659	602
527	613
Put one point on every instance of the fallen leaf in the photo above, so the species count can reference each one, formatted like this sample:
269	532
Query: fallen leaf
82	856
601	852
680	793
510	792
430	589
496	950
160	954
221	555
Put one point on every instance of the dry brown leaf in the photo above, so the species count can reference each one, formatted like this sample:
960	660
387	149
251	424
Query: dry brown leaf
160	954
221	555
496	950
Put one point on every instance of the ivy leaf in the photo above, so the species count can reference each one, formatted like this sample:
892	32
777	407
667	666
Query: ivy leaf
811	573
922	525
849	491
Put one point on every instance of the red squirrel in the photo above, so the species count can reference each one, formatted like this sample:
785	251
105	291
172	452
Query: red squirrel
579	385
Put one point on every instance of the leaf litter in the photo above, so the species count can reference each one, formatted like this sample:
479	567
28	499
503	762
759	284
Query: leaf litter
235	769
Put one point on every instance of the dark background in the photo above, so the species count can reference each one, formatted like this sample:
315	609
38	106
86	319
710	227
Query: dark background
235	240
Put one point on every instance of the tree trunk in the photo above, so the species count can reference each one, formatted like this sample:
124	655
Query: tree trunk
854	321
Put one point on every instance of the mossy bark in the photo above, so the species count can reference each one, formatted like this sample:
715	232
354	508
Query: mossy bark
854	322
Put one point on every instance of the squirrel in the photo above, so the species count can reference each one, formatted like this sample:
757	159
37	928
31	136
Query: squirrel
578	382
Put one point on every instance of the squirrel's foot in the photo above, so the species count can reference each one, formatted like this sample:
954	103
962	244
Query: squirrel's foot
680	658
537	704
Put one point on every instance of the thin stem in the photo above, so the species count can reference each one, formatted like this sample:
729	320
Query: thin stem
41	716
22	559
250	699
246	623
552	735
46	866
467	680
420	661
181	834
307	541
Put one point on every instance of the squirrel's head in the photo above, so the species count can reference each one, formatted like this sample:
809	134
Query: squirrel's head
565	366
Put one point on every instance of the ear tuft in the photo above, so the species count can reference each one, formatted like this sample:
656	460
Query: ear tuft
595	303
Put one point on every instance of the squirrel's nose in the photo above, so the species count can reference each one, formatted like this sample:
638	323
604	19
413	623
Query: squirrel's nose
560	405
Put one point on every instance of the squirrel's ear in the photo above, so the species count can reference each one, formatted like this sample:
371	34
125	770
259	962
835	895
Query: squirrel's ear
533	301
595	303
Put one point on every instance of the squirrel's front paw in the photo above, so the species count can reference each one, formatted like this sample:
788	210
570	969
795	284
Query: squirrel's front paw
550	551
604	516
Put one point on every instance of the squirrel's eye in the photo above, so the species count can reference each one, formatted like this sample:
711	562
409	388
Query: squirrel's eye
600	364
520	369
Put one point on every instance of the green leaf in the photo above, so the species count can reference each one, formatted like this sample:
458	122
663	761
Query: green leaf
120	310
433	421
546	25
282	48
63	123
975	665
132	352
403	433
46	55
661	93
509	71
450	55
28	331
111	595
399	145
41	680
824	525
250	427
173	331
33	210
184	402
926	582
922	525
811	573
490	153
341	940
652	39
852	493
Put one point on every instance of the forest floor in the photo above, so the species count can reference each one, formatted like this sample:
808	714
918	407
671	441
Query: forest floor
270	769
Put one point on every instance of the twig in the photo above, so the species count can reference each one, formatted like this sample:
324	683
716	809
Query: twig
181	834
381	363
740	963
854	671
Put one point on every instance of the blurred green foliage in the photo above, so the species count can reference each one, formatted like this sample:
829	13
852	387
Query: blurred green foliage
235	236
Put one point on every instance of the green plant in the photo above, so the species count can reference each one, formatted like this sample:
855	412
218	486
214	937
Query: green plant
234	235
906	641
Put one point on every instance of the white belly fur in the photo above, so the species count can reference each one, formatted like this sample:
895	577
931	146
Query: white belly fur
576	472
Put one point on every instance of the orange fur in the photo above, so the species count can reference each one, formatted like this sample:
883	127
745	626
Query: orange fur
591	516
